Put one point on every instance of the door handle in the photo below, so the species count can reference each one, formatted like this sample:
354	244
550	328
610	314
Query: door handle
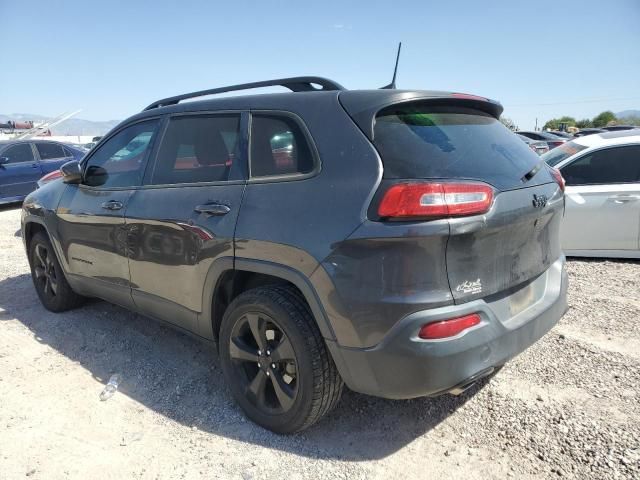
216	209
34	165
112	205
624	198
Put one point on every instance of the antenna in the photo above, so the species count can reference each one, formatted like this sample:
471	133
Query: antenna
392	85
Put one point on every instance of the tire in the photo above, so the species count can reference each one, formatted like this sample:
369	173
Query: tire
299	391
52	287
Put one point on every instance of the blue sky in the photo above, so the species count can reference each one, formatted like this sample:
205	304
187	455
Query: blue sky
111	58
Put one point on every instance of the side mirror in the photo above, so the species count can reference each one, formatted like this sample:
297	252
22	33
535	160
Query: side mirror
4	160
71	172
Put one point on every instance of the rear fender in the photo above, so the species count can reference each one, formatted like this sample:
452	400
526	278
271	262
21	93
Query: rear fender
267	268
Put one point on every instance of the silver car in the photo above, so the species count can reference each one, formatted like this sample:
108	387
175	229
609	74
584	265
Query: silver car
602	175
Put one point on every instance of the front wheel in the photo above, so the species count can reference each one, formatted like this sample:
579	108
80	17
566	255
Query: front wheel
48	278
275	360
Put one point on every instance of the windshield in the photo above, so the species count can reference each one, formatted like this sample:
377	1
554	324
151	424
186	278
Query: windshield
426	141
558	154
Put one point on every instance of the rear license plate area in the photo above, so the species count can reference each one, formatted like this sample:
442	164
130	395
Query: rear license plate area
522	299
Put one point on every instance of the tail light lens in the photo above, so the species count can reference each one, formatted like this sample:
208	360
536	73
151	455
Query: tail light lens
557	176
448	328
412	200
50	176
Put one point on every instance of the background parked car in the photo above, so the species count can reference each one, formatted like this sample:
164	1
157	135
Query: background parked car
560	134
537	146
602	175
552	140
616	128
588	131
23	162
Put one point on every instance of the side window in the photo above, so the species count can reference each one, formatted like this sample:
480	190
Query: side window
196	149
278	147
18	153
611	165
120	161
67	152
48	151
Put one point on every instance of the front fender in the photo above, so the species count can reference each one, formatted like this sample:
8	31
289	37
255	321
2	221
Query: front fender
40	208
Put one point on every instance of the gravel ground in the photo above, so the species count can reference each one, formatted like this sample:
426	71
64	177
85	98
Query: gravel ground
569	406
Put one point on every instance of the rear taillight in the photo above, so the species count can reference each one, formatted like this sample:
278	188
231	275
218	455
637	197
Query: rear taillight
557	176
50	176
448	328
411	200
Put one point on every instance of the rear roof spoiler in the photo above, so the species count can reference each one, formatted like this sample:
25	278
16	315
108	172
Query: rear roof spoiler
364	105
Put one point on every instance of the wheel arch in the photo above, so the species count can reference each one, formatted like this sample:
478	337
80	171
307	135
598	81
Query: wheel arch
32	225
228	278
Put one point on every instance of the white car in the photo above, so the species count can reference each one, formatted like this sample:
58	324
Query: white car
602	175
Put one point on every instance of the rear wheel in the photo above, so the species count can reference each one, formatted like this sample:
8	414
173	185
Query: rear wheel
275	360
51	286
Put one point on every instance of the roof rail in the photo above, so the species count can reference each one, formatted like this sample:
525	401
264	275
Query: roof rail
295	84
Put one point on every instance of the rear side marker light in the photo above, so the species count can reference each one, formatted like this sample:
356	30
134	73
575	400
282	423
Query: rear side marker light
448	328
407	200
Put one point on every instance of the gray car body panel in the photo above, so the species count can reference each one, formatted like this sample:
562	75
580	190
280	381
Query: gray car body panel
404	366
365	281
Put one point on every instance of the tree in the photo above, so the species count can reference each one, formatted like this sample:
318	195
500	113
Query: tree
554	123
603	119
584	123
510	124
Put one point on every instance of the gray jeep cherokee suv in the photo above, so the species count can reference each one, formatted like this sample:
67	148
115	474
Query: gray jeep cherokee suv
402	242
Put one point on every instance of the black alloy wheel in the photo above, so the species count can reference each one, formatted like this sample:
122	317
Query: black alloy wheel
275	360
264	359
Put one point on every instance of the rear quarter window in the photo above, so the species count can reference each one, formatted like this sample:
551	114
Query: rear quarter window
420	141
558	154
279	147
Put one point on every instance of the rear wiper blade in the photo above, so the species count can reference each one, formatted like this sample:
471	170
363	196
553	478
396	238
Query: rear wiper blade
532	173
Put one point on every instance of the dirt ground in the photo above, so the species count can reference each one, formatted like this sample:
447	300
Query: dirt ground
569	406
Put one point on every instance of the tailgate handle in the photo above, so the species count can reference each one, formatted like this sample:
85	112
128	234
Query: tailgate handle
216	209
112	205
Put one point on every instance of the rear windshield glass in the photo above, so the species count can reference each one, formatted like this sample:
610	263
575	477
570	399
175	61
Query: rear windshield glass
425	141
558	154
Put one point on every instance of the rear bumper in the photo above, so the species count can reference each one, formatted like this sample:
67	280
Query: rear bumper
404	366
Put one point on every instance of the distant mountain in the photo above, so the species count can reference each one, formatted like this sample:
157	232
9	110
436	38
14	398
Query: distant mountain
628	113
72	126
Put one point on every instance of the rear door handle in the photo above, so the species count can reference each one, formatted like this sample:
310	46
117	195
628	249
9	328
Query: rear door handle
216	209
624	198
112	205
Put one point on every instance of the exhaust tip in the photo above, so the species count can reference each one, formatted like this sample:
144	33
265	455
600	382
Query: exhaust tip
465	385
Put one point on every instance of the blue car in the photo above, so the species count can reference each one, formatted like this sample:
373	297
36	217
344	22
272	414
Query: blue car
23	162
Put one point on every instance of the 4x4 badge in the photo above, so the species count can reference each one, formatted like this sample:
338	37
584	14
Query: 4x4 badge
539	201
470	287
